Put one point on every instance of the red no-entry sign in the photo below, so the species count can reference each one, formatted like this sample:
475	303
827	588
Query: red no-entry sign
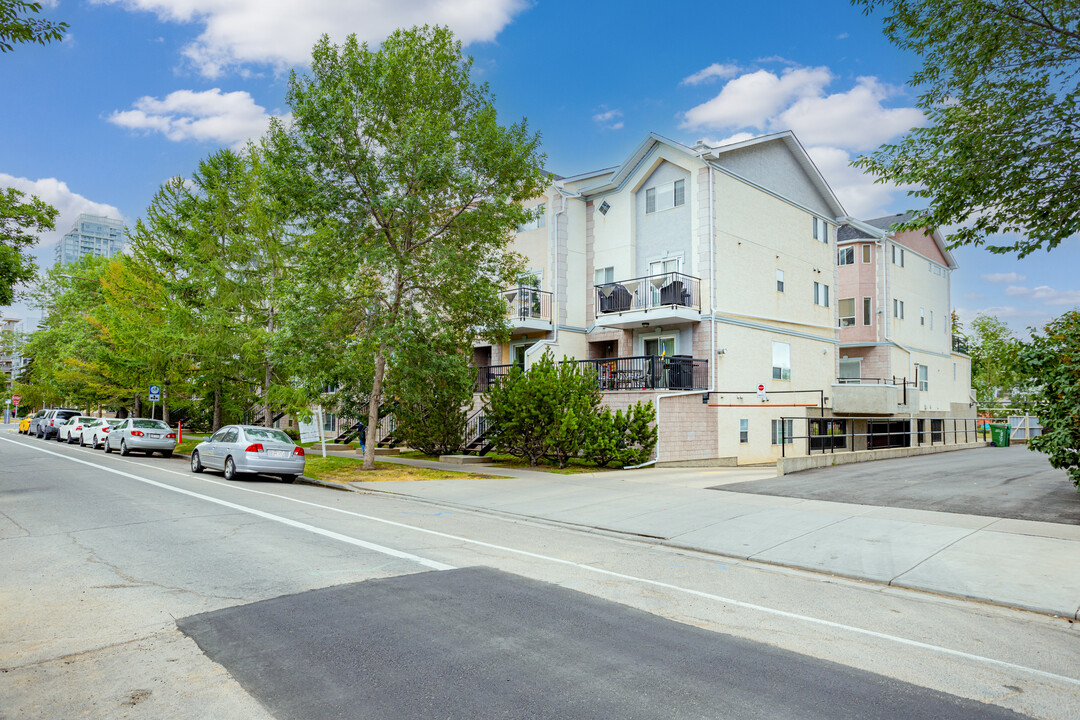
15	400
761	388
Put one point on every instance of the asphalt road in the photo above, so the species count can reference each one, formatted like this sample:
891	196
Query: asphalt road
1011	482
311	603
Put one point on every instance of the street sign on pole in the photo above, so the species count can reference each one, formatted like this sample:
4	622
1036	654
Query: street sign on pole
155	393
761	393
15	400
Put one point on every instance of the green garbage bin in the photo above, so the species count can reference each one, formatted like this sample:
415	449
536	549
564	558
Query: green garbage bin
1000	434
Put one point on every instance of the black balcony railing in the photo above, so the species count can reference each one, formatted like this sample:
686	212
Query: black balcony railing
643	372
644	293
527	303
960	344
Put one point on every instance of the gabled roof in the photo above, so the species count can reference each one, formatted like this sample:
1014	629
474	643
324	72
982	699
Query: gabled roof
613	179
878	228
788	139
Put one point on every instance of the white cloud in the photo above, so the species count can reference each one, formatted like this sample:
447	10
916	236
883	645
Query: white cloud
752	99
1002	278
209	116
69	205
609	119
854	120
1015	290
715	71
857	192
832	126
281	33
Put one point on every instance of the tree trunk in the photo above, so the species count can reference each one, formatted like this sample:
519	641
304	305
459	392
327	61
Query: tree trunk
268	421
165	401
373	408
216	422
138	406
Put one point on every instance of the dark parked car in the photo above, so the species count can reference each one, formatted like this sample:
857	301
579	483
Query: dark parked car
48	426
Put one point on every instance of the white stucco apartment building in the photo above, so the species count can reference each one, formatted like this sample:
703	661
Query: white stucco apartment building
691	276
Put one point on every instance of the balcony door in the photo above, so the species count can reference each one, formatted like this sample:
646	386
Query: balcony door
661	267
660	346
850	371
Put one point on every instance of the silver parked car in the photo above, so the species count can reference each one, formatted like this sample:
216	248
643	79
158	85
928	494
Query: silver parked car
94	433
142	434
241	449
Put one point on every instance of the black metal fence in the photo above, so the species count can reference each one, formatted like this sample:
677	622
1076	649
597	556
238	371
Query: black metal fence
833	434
648	292
643	372
960	344
902	383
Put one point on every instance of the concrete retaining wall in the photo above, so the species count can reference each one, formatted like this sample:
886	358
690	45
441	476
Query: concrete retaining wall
787	465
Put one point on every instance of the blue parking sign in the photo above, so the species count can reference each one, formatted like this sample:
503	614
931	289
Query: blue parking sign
155	393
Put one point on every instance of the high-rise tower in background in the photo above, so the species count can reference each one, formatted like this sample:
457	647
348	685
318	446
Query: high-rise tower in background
91	235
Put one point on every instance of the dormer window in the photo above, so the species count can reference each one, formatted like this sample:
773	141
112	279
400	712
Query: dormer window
666	196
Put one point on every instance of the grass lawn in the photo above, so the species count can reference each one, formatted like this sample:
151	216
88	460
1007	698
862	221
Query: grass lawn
575	467
190	441
346	470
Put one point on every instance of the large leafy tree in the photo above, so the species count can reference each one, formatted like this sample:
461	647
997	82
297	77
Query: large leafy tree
995	360
1000	88
212	251
20	222
1053	358
411	190
19	23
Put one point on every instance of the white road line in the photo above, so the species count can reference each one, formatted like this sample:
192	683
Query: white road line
252	511
600	571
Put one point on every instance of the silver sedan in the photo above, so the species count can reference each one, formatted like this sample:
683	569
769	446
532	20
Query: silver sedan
242	449
142	434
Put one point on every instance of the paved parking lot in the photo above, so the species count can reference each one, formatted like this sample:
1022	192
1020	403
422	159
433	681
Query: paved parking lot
1000	482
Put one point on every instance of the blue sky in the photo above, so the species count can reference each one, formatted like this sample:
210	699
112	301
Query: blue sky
142	89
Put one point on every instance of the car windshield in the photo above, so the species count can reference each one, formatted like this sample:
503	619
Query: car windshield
149	424
85	419
267	434
66	415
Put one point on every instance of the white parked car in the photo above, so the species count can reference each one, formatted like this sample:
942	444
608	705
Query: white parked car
243	449
143	434
94	433
71	430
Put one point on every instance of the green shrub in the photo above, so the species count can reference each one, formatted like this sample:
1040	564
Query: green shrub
432	384
639	434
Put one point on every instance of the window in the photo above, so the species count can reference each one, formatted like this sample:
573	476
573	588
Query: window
821	229
786	427
821	294
779	281
923	374
329	422
535	222
847	312
898	255
846	256
604	207
781	361
744	431
867	311
866	254
954	371
665	197
898	309
603	276
922	316
931	319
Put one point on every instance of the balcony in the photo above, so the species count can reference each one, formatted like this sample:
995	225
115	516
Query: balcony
960	345
643	372
529	309
655	299
873	396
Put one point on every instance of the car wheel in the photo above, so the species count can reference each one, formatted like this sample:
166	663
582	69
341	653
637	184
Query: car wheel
93	443
108	447
124	448
71	439
166	453
288	478
230	469
196	463
82	440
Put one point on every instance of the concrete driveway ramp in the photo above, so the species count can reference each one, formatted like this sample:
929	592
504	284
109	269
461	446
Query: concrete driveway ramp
480	643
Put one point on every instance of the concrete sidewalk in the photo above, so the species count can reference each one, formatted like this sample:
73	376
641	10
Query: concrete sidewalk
1016	563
